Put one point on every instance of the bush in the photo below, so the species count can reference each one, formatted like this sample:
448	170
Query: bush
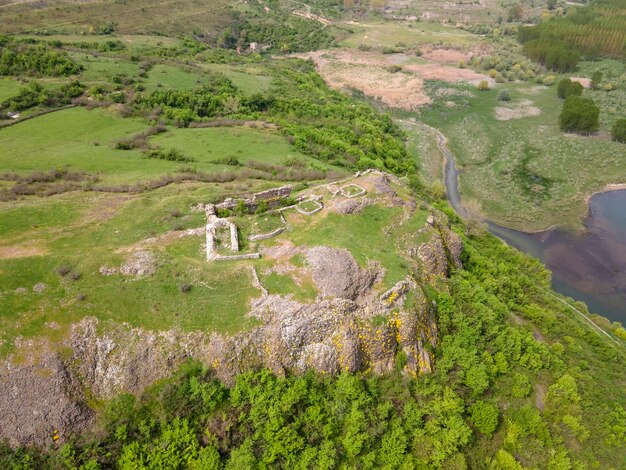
579	115
393	68
618	132
549	80
483	85
503	95
63	270
566	88
185	288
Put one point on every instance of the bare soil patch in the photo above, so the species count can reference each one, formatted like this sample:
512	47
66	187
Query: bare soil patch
367	73
585	82
21	251
445	56
370	73
447	73
523	109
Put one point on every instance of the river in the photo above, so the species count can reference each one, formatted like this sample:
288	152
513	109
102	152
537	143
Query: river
590	267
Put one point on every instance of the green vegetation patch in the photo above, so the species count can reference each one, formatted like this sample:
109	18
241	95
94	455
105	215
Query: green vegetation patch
526	172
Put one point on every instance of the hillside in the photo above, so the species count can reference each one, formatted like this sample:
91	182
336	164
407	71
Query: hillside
225	239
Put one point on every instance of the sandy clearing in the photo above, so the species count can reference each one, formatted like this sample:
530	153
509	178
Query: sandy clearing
448	74
367	73
446	56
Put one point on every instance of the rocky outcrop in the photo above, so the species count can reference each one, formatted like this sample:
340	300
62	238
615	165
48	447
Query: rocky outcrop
41	403
442	253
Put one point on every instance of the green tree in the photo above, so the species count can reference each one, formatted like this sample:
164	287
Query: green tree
503	95
484	417
596	79
579	115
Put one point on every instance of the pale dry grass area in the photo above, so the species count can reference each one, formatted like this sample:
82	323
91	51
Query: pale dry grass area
522	109
372	74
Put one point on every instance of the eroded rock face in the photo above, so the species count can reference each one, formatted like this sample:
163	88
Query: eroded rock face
442	253
337	274
39	401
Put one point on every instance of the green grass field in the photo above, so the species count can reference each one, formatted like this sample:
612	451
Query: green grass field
208	145
8	88
82	140
526	173
170	77
390	34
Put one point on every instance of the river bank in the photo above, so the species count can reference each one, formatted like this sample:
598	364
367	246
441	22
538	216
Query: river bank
589	266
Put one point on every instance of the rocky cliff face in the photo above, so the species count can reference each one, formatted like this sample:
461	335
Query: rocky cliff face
337	332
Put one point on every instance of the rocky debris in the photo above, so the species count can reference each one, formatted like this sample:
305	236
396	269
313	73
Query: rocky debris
397	293
350	206
20	290
39	401
337	274
108	271
382	186
39	287
272	197
123	359
140	263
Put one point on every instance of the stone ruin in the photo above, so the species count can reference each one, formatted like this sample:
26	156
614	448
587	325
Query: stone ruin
271	196
213	223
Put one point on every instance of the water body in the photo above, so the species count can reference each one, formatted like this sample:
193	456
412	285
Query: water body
590	267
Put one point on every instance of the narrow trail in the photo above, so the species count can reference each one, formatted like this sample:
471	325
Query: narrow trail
595	327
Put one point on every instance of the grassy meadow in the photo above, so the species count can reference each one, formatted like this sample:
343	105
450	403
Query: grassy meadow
526	173
390	34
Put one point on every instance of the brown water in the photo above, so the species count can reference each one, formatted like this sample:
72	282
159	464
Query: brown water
590	267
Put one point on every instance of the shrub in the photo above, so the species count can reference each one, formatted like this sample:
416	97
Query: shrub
549	80
393	68
63	270
566	88
618	132
75	276
241	209
579	115
262	207
224	213
483	85
185	288
503	95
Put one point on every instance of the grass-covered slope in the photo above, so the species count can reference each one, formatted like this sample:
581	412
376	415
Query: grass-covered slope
520	382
